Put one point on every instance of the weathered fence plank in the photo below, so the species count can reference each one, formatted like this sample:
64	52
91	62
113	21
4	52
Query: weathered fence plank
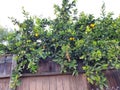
4	83
53	83
73	86
46	84
59	83
66	82
32	83
49	77
39	83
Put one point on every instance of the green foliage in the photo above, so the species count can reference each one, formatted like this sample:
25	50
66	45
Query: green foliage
4	33
69	40
26	45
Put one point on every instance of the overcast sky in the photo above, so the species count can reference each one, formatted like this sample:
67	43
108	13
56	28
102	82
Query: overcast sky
44	8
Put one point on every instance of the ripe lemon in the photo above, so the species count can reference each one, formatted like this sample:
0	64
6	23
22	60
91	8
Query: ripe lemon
36	34
71	38
92	25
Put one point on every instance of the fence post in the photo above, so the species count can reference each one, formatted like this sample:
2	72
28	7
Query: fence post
13	66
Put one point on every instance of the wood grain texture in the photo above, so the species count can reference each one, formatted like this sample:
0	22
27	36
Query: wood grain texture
39	83
53	83
66	82
45	83
73	85
49	77
59	83
4	84
62	82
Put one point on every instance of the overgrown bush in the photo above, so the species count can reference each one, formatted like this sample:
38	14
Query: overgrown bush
68	39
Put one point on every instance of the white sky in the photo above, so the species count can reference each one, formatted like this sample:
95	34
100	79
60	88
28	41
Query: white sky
44	8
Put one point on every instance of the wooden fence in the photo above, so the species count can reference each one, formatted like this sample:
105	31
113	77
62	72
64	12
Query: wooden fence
49	78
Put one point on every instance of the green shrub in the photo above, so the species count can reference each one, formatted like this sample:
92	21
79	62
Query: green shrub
69	40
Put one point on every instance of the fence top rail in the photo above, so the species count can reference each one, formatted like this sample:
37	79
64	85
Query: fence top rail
40	74
5	55
56	73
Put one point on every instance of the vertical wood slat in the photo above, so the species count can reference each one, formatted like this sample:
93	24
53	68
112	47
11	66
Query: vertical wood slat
39	83
113	78
53	83
33	83
26	84
1	68
0	84
5	64
4	84
81	82
8	71
66	82
59	83
73	85
45	83
48	66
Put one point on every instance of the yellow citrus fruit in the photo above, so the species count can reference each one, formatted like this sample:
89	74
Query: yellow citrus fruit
71	38
36	34
92	25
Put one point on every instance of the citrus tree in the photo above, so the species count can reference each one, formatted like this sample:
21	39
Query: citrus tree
68	40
